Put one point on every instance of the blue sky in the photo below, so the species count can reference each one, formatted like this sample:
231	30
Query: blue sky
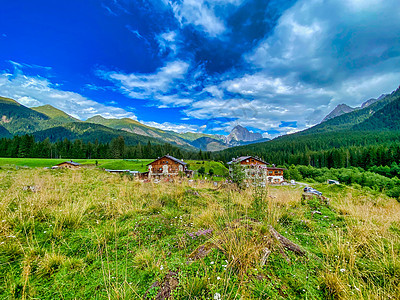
195	65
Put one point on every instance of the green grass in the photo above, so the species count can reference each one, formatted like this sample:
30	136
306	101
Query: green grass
218	167
130	164
45	162
116	164
88	234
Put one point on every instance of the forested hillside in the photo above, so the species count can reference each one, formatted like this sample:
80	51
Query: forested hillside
133	126
27	147
18	119
333	149
4	132
55	114
89	132
349	120
387	118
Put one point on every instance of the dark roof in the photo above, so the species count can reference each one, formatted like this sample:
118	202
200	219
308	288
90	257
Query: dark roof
170	157
69	162
242	158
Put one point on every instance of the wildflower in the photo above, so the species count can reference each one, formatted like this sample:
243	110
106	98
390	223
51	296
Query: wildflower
342	270
217	296
212	263
161	267
218	278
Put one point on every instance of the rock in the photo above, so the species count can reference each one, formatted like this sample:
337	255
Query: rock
32	188
169	283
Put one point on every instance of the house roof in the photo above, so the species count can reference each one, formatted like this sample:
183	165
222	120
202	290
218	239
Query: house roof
70	162
170	157
242	158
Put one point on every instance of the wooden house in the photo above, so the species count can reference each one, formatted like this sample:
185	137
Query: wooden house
275	175
68	165
168	166
257	169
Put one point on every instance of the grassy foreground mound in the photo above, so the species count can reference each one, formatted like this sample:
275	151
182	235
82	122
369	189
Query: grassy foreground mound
88	234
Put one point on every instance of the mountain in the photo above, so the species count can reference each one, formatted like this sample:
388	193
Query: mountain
18	119
376	124
372	101
55	114
348	120
48	121
133	126
240	133
339	110
4	133
387	118
89	132
209	144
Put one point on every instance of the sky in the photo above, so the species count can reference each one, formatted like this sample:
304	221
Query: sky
275	66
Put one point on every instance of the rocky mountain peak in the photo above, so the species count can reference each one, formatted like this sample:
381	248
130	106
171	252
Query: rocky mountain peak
240	133
339	110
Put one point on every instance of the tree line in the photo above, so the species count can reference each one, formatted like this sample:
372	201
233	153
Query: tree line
25	146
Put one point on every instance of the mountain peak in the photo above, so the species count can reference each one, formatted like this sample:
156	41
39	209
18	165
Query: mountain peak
53	112
8	101
240	133
339	110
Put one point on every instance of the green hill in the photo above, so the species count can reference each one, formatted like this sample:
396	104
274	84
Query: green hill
349	120
4	133
18	119
89	132
387	118
133	126
54	113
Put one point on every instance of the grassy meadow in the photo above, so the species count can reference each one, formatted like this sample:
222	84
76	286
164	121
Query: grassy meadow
116	164
87	234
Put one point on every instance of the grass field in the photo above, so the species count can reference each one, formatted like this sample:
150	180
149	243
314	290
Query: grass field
88	234
116	164
45	162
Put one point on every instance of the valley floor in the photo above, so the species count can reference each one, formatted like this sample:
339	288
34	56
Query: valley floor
87	234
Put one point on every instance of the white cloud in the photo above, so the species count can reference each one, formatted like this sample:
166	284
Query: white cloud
173	127
143	86
35	91
202	14
167	40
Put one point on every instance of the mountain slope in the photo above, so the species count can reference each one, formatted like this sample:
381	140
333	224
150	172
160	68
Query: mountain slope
4	133
349	120
18	119
339	110
89	132
372	101
208	144
133	126
55	114
387	118
377	124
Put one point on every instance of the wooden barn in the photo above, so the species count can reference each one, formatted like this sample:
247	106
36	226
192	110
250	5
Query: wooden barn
68	165
168	166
